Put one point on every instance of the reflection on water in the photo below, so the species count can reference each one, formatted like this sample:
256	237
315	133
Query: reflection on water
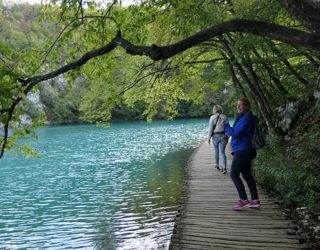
97	188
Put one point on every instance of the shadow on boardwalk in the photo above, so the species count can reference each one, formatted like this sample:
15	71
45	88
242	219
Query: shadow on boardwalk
206	219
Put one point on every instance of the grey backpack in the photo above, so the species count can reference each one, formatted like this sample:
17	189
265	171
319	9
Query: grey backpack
258	139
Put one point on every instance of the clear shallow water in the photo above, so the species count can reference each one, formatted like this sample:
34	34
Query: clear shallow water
97	188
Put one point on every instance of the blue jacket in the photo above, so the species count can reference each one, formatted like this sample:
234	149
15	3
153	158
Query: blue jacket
241	132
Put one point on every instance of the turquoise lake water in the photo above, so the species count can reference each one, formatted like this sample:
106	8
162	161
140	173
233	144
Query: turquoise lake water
97	188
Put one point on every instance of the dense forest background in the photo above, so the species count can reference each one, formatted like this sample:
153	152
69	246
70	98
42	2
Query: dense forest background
60	64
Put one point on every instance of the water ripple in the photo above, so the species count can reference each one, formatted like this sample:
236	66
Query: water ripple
97	188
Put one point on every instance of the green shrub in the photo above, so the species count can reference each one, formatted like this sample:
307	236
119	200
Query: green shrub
293	172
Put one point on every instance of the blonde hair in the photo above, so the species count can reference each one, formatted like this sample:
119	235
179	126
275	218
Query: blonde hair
217	109
246	102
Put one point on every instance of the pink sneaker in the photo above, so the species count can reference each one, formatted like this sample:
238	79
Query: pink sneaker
241	204
254	204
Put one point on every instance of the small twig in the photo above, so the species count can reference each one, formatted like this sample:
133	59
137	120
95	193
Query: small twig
205	61
63	31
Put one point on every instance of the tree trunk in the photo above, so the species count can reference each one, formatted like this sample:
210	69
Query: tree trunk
287	64
306	11
282	90
237	84
258	83
312	60
263	109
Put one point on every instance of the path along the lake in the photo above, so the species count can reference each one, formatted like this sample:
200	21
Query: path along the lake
206	219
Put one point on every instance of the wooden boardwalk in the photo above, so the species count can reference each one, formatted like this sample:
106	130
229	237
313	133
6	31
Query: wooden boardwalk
206	219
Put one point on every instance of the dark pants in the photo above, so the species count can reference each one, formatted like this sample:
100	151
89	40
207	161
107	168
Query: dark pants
241	163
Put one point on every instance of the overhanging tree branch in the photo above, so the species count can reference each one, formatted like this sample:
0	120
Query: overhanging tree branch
273	31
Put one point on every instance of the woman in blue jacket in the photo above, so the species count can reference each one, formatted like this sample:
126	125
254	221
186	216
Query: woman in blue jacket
243	154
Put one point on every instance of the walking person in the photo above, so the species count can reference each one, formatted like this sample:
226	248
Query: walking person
218	137
243	154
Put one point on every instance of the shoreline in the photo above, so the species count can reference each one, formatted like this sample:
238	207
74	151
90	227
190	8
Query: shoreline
183	196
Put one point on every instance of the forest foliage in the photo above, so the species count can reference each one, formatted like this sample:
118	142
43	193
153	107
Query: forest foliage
87	96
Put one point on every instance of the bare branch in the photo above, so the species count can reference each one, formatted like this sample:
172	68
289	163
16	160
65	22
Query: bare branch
206	61
65	28
139	78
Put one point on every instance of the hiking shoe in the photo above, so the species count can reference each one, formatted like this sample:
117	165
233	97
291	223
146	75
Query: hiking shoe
217	167
254	204
241	204
224	171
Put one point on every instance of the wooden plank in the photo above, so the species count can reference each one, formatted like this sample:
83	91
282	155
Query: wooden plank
206	219
240	237
231	231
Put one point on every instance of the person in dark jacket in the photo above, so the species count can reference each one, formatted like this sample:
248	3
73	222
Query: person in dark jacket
243	154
